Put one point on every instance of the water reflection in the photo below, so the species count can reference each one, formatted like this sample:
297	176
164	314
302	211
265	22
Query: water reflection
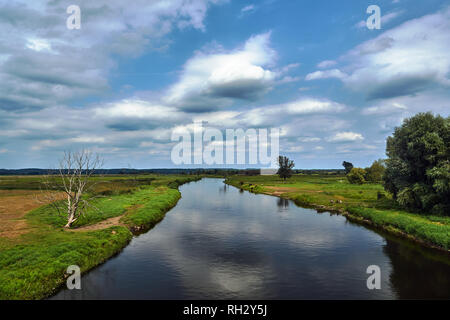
221	243
282	204
414	278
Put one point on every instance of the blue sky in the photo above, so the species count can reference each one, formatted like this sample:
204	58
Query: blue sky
138	70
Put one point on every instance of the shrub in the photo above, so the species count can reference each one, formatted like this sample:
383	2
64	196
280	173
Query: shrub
356	176
375	172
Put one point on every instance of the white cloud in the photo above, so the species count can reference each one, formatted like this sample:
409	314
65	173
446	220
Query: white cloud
326	64
384	109
211	80
44	64
39	45
312	105
385	19
309	139
346	137
333	73
250	7
408	59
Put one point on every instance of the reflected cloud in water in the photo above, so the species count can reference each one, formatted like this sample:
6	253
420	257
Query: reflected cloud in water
221	243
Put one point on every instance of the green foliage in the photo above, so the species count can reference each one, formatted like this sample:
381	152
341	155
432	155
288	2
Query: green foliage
285	167
375	172
417	170
348	166
356	176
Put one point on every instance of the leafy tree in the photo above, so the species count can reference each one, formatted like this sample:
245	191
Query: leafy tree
376	171
417	168
285	167
356	176
348	166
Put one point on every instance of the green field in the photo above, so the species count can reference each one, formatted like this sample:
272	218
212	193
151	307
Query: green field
33	264
367	203
35	257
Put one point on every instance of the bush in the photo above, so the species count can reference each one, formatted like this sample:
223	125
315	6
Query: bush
356	176
375	172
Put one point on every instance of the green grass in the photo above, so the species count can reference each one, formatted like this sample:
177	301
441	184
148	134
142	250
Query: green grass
426	228
34	265
334	193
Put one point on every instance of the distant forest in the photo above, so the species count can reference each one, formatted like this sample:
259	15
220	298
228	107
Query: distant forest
192	171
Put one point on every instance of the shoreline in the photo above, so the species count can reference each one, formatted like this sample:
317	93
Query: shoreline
135	230
35	268
390	229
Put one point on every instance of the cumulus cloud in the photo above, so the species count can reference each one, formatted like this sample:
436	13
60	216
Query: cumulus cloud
384	109
408	59
43	64
277	114
385	19
345	137
326	64
135	114
213	79
333	73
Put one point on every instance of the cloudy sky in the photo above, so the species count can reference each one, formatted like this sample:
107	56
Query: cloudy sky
137	70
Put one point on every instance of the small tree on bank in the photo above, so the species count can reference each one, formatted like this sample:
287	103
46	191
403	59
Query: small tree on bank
348	166
73	180
285	167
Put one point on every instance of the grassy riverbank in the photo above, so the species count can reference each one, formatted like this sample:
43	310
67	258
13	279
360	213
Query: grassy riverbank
366	204
34	257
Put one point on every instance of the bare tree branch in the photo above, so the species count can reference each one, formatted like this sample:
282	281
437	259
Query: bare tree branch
73	179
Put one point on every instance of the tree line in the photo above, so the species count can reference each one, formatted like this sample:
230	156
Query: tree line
417	169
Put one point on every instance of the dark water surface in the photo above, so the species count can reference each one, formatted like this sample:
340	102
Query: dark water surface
223	243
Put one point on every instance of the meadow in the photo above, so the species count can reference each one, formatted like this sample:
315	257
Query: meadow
35	249
367	204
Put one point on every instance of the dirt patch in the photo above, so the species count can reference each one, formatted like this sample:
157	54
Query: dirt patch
14	205
276	190
114	221
110	222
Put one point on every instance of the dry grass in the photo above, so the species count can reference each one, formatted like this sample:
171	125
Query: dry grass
14	205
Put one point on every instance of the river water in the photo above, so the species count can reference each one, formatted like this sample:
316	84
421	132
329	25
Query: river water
223	243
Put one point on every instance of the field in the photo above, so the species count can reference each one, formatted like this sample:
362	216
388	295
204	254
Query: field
35	249
367	203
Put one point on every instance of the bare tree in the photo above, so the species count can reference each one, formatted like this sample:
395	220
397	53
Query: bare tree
72	178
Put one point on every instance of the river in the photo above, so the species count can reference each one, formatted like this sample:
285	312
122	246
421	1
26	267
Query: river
220	242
